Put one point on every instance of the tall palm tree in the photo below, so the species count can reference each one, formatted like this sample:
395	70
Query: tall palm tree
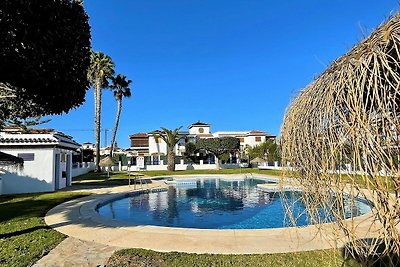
101	68
121	89
171	138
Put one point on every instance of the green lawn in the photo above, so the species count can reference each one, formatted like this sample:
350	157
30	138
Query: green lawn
141	257
24	237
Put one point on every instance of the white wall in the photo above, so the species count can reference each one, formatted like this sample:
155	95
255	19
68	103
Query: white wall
182	167
157	147
251	141
162	146
26	179
87	167
35	176
196	130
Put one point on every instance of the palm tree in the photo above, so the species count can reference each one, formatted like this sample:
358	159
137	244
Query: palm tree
121	90
101	69
171	138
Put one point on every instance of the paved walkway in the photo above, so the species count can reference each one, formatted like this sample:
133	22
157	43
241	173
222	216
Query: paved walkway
73	252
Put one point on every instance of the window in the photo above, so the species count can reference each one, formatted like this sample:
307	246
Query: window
241	139
201	130
27	156
258	138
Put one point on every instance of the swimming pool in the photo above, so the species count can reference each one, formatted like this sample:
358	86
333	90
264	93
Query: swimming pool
212	203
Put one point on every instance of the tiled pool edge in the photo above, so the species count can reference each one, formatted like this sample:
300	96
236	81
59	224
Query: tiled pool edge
78	218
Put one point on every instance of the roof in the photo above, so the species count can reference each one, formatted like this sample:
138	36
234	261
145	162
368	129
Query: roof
204	135
19	129
26	140
257	132
139	135
243	133
12	139
109	147
182	133
199	123
231	133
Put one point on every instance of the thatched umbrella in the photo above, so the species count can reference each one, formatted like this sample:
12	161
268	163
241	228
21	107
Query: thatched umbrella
257	160
107	162
350	116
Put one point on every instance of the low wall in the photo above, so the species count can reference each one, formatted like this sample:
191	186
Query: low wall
181	167
84	168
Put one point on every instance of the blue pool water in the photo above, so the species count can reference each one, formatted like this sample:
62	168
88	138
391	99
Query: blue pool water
211	204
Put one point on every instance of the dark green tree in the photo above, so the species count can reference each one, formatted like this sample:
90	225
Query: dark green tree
190	150
267	150
44	57
26	124
219	146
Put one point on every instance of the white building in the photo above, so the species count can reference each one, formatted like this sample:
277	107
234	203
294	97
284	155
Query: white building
247	138
88	145
158	148
47	156
155	149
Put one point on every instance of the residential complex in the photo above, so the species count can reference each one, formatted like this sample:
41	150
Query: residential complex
154	149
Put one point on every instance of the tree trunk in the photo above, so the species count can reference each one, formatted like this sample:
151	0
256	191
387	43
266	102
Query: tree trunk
97	104
218	161
171	161
116	126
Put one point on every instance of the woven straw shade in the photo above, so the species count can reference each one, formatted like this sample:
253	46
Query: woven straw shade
107	162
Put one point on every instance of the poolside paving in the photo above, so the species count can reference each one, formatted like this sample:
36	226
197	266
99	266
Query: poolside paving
75	252
98	235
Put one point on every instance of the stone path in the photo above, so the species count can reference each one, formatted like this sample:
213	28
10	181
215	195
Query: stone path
74	252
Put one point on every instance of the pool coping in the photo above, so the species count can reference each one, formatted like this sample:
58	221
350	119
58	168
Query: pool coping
78	218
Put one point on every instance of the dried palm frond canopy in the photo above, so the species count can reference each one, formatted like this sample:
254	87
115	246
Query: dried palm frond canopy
341	141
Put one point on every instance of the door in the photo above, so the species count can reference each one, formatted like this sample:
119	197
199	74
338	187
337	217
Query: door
57	172
69	170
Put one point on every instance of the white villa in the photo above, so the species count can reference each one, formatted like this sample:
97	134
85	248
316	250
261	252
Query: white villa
146	147
47	160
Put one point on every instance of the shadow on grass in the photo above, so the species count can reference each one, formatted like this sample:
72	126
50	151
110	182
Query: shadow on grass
26	206
25	231
371	252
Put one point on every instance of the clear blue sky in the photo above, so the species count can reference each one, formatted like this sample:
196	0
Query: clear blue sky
235	64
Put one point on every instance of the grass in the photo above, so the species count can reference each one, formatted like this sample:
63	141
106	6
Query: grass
24	237
121	178
141	257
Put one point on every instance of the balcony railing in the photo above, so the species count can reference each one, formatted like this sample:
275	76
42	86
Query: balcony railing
138	145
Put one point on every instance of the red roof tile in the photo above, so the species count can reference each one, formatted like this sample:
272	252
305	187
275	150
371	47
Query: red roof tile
139	135
258	132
